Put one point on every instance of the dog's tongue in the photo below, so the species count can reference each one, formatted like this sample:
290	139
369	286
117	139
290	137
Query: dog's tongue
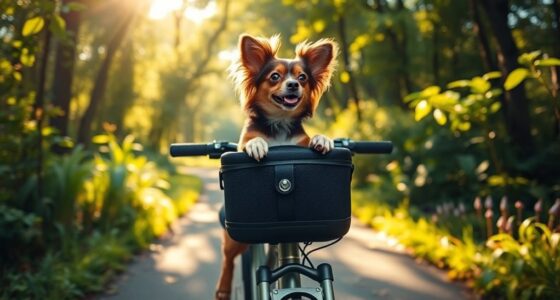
290	100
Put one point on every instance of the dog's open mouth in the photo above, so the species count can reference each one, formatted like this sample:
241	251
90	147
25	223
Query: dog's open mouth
288	100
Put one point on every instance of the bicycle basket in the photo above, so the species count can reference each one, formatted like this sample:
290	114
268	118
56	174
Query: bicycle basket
293	195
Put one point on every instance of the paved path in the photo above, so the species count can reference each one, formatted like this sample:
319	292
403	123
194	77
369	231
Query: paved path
186	264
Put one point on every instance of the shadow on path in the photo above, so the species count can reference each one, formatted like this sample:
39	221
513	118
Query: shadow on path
186	264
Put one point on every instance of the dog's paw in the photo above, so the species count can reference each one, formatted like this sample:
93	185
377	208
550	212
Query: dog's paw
256	148
321	144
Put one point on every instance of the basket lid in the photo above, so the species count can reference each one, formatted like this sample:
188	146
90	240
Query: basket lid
288	153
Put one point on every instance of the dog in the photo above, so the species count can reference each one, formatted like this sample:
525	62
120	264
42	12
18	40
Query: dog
277	95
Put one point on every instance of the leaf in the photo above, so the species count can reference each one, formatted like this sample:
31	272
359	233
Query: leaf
492	75
17	76
430	91
458	84
548	62
497	180
319	25
480	85
33	26
411	96
344	77
422	109
58	25
464	126
26	58
493	93
101	139
445	100
515	78
440	117
528	58
482	167
17	44
495	107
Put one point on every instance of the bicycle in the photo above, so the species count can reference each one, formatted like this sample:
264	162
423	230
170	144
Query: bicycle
275	261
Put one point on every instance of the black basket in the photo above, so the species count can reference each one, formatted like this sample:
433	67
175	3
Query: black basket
293	195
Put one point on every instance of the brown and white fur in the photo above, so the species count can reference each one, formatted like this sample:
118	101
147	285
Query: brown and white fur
277	94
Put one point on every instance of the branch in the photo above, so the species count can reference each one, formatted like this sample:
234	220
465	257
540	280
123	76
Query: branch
200	68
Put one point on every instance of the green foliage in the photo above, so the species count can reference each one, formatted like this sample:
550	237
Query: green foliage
22	24
134	190
33	26
515	78
99	209
463	110
65	177
526	268
22	232
424	238
72	273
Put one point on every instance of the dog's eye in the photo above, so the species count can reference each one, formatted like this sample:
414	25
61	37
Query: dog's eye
302	77
275	77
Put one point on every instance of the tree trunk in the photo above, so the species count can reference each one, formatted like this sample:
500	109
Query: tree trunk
516	104
402	80
120	93
556	9
483	44
64	71
346	59
39	107
98	91
435	55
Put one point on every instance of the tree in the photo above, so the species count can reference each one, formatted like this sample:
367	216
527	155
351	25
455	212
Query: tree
100	83
64	68
120	93
181	80
515	102
483	43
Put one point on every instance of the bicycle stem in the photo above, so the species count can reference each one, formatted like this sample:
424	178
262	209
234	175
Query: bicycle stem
288	253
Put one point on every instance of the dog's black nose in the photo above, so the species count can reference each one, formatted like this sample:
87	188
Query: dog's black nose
292	85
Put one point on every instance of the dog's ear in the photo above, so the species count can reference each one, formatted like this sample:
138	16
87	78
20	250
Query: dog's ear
256	52
320	58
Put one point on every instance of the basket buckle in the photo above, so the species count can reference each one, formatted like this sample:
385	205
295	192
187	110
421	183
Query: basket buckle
285	185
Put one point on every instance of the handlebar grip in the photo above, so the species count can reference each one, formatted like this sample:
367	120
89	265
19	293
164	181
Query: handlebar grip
372	147
189	149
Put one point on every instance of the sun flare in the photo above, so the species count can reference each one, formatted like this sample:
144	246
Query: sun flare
160	9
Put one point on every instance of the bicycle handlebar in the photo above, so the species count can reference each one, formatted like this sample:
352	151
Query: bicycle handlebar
217	148
213	150
365	147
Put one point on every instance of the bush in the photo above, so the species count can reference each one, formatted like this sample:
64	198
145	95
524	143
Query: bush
98	210
20	237
526	268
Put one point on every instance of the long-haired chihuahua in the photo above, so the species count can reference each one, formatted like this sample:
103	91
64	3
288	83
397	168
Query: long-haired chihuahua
277	95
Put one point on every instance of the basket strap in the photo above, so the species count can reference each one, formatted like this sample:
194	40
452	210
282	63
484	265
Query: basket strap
285	185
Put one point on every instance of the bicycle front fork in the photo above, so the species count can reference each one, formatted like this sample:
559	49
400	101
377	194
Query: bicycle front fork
323	275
